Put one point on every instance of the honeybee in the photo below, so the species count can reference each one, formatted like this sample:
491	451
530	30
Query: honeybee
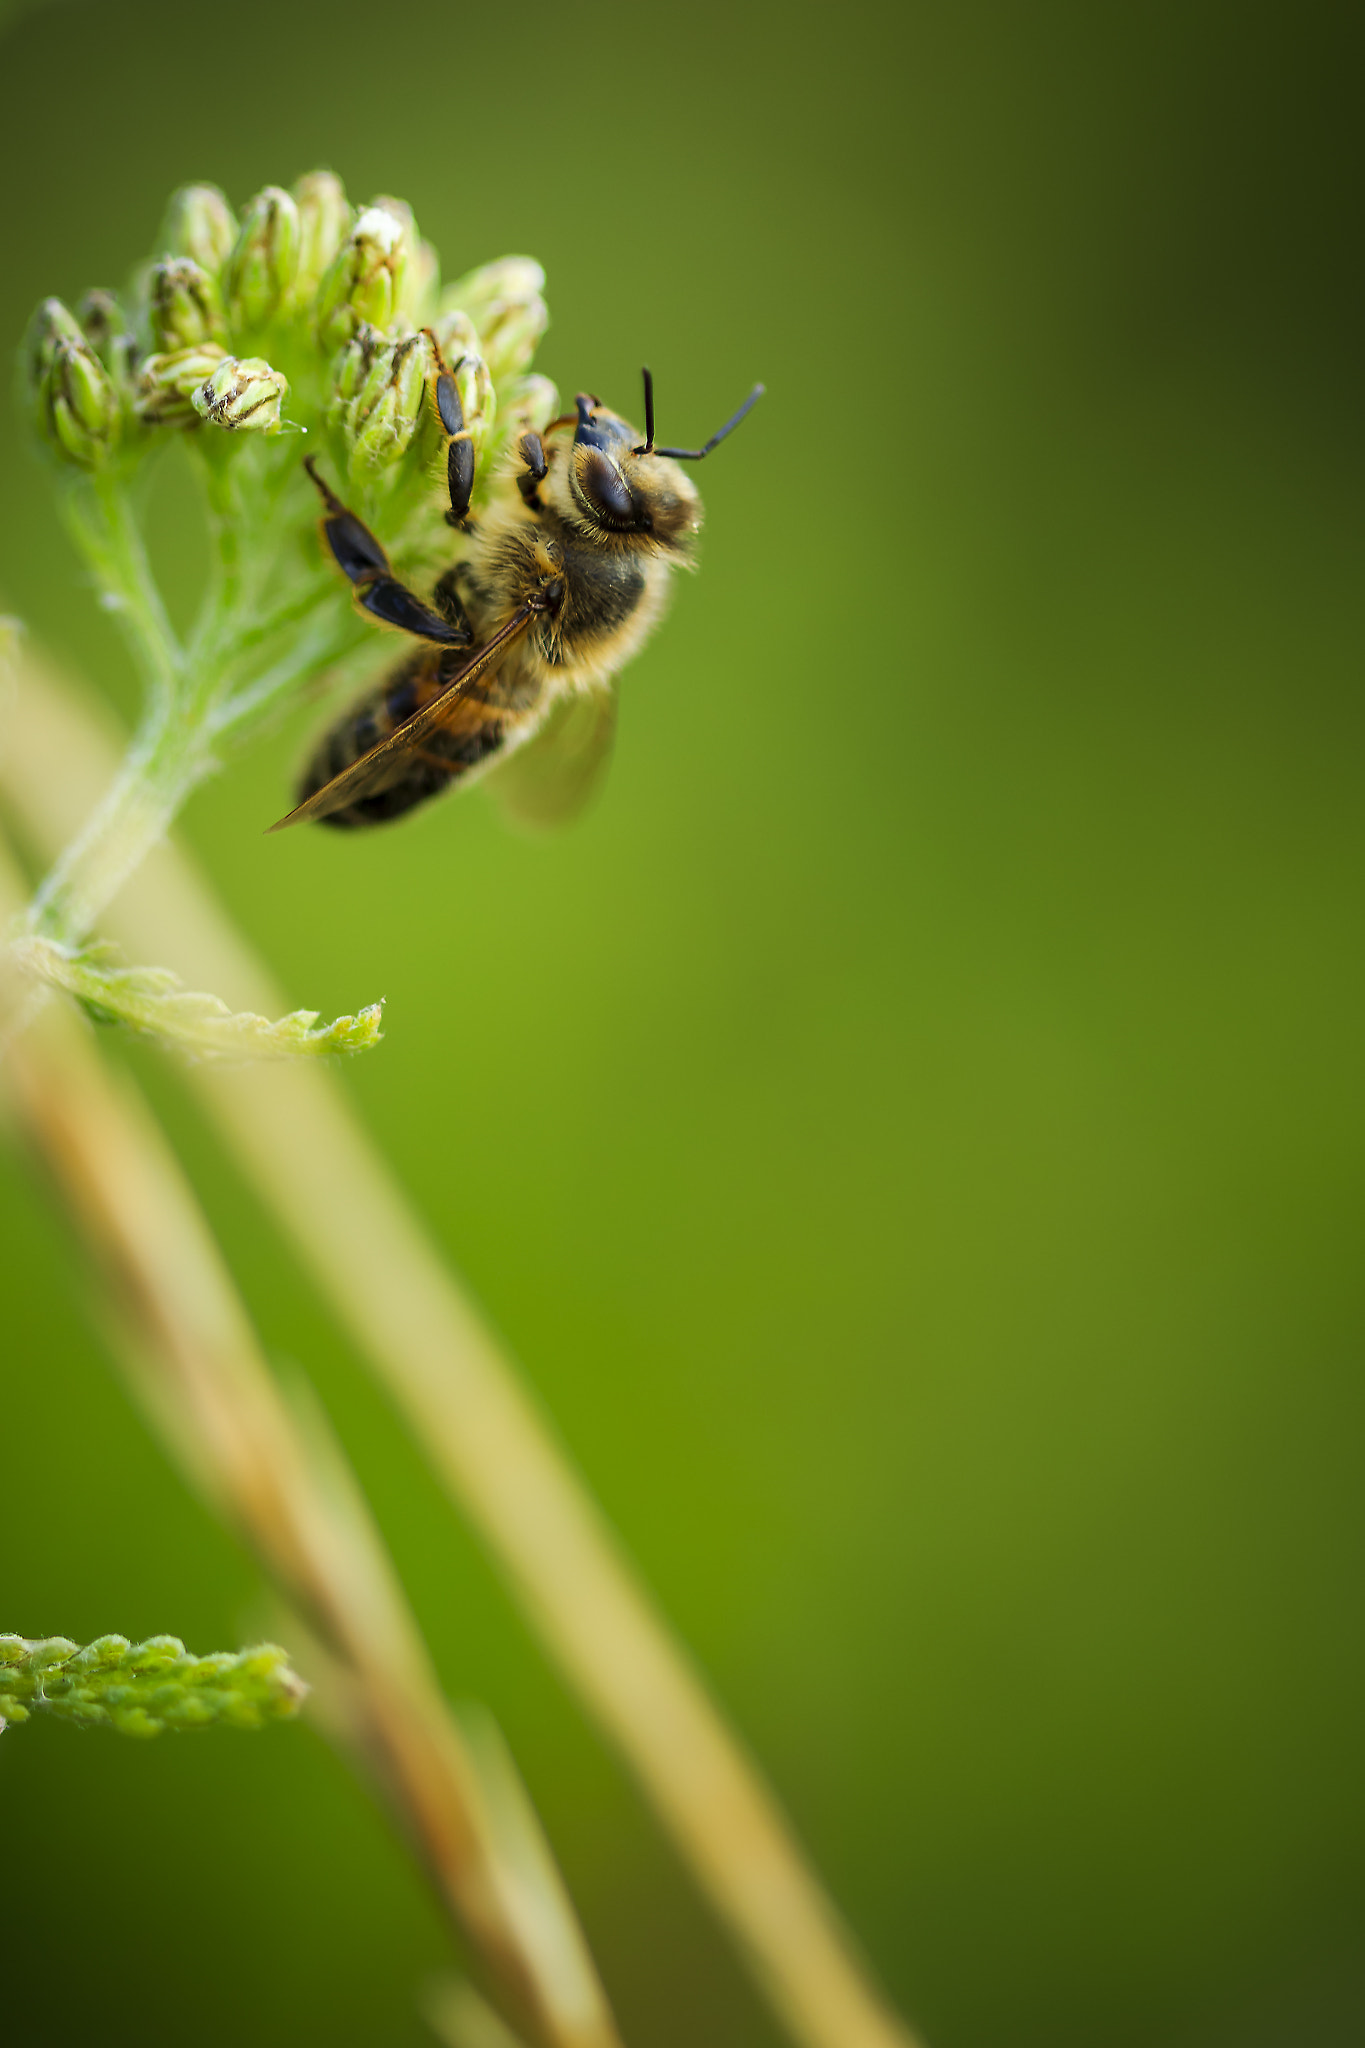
565	575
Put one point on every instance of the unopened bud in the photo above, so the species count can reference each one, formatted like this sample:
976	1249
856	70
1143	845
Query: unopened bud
242	395
384	415
75	402
399	210
457	335
184	306
504	302
106	1653
258	279
199	224
350	369
167	384
365	279
478	401
511	277
52	324
421	284
528	402
108	333
324	223
49	1652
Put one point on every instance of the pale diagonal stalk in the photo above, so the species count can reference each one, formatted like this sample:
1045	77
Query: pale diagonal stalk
192	1357
372	1259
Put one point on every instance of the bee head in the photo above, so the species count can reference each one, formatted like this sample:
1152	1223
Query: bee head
627	489
622	496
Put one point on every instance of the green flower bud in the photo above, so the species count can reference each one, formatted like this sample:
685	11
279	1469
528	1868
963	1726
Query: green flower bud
259	277
384	414
365	279
504	302
350	369
324	223
48	1651
106	1653
478	399
527	402
402	213
457	335
108	333
52	324
158	1653
167	384
242	394
184	307
510	278
74	399
135	1721
422	284
199	224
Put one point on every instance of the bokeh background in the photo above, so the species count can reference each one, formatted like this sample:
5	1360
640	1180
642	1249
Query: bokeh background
911	1129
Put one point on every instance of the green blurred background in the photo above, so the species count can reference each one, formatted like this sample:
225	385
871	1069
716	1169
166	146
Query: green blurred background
911	1130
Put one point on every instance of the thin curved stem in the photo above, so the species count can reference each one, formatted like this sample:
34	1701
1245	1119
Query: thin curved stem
156	776
218	620
194	697
103	527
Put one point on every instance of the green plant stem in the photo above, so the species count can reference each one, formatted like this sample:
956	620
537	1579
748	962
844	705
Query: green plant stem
104	529
163	764
158	773
324	642
228	527
195	698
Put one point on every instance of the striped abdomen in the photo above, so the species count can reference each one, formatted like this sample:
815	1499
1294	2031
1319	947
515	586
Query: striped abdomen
476	728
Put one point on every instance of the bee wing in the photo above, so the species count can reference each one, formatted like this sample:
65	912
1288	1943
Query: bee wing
386	762
548	780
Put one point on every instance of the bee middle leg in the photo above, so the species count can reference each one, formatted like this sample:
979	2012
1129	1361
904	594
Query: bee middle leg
450	604
378	591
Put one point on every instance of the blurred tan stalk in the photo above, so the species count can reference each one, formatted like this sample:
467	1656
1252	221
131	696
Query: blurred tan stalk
370	1255
189	1350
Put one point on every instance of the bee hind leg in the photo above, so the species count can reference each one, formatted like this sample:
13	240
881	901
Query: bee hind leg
378	591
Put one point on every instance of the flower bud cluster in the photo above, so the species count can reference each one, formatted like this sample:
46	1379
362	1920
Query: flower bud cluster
304	312
75	399
145	1688
380	394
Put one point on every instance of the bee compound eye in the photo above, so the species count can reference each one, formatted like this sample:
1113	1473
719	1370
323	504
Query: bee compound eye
605	489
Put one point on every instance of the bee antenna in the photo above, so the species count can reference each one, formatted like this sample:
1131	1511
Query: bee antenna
648	376
696	454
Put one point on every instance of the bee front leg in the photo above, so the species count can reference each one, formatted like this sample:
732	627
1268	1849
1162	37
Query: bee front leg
529	480
378	591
